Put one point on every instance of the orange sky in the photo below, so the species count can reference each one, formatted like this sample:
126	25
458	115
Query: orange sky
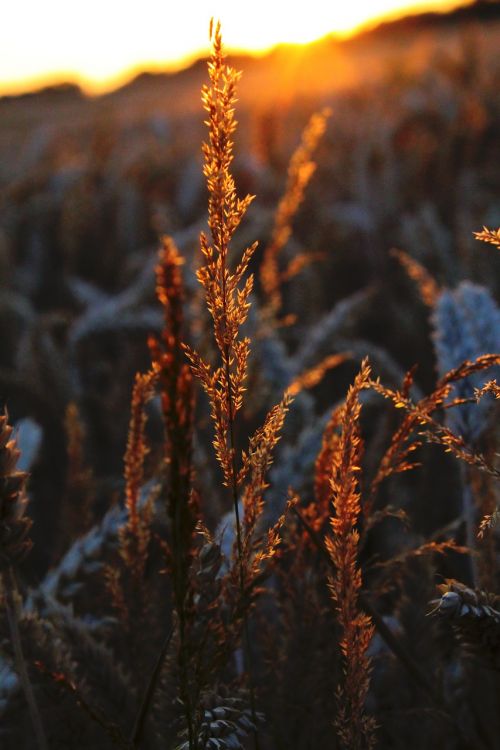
100	43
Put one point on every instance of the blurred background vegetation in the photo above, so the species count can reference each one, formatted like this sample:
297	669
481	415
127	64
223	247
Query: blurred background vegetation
409	160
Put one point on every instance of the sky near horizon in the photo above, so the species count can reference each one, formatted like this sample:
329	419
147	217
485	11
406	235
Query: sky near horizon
99	43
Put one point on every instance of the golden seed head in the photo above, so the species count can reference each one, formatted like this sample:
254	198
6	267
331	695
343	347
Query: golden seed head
14	523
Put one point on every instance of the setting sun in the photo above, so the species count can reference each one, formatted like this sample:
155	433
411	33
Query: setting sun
99	44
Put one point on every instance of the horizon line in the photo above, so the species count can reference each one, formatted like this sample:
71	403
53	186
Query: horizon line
94	88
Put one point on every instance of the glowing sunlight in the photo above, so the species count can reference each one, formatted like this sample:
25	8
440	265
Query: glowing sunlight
99	44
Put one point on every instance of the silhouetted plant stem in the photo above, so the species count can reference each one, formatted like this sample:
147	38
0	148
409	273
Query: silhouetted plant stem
11	604
177	406
147	699
186	697
112	730
247	652
469	513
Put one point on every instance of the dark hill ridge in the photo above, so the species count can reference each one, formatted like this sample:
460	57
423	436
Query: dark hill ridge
481	10
56	92
195	69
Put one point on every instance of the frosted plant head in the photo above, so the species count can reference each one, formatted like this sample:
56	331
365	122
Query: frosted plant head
466	325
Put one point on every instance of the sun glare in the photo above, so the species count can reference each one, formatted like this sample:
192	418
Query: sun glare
300	23
99	43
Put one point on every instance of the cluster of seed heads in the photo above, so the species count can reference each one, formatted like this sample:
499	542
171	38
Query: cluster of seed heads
457	600
225	726
475	618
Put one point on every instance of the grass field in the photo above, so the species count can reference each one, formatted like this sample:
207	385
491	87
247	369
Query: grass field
262	451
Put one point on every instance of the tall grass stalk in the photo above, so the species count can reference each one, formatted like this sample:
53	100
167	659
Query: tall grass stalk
226	295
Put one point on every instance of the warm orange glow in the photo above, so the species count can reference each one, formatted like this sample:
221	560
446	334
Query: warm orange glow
99	43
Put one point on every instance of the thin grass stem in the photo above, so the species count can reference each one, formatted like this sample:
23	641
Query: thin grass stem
140	720
246	634
12	608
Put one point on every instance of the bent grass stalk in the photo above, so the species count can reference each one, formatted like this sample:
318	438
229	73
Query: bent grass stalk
300	171
14	545
11	603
